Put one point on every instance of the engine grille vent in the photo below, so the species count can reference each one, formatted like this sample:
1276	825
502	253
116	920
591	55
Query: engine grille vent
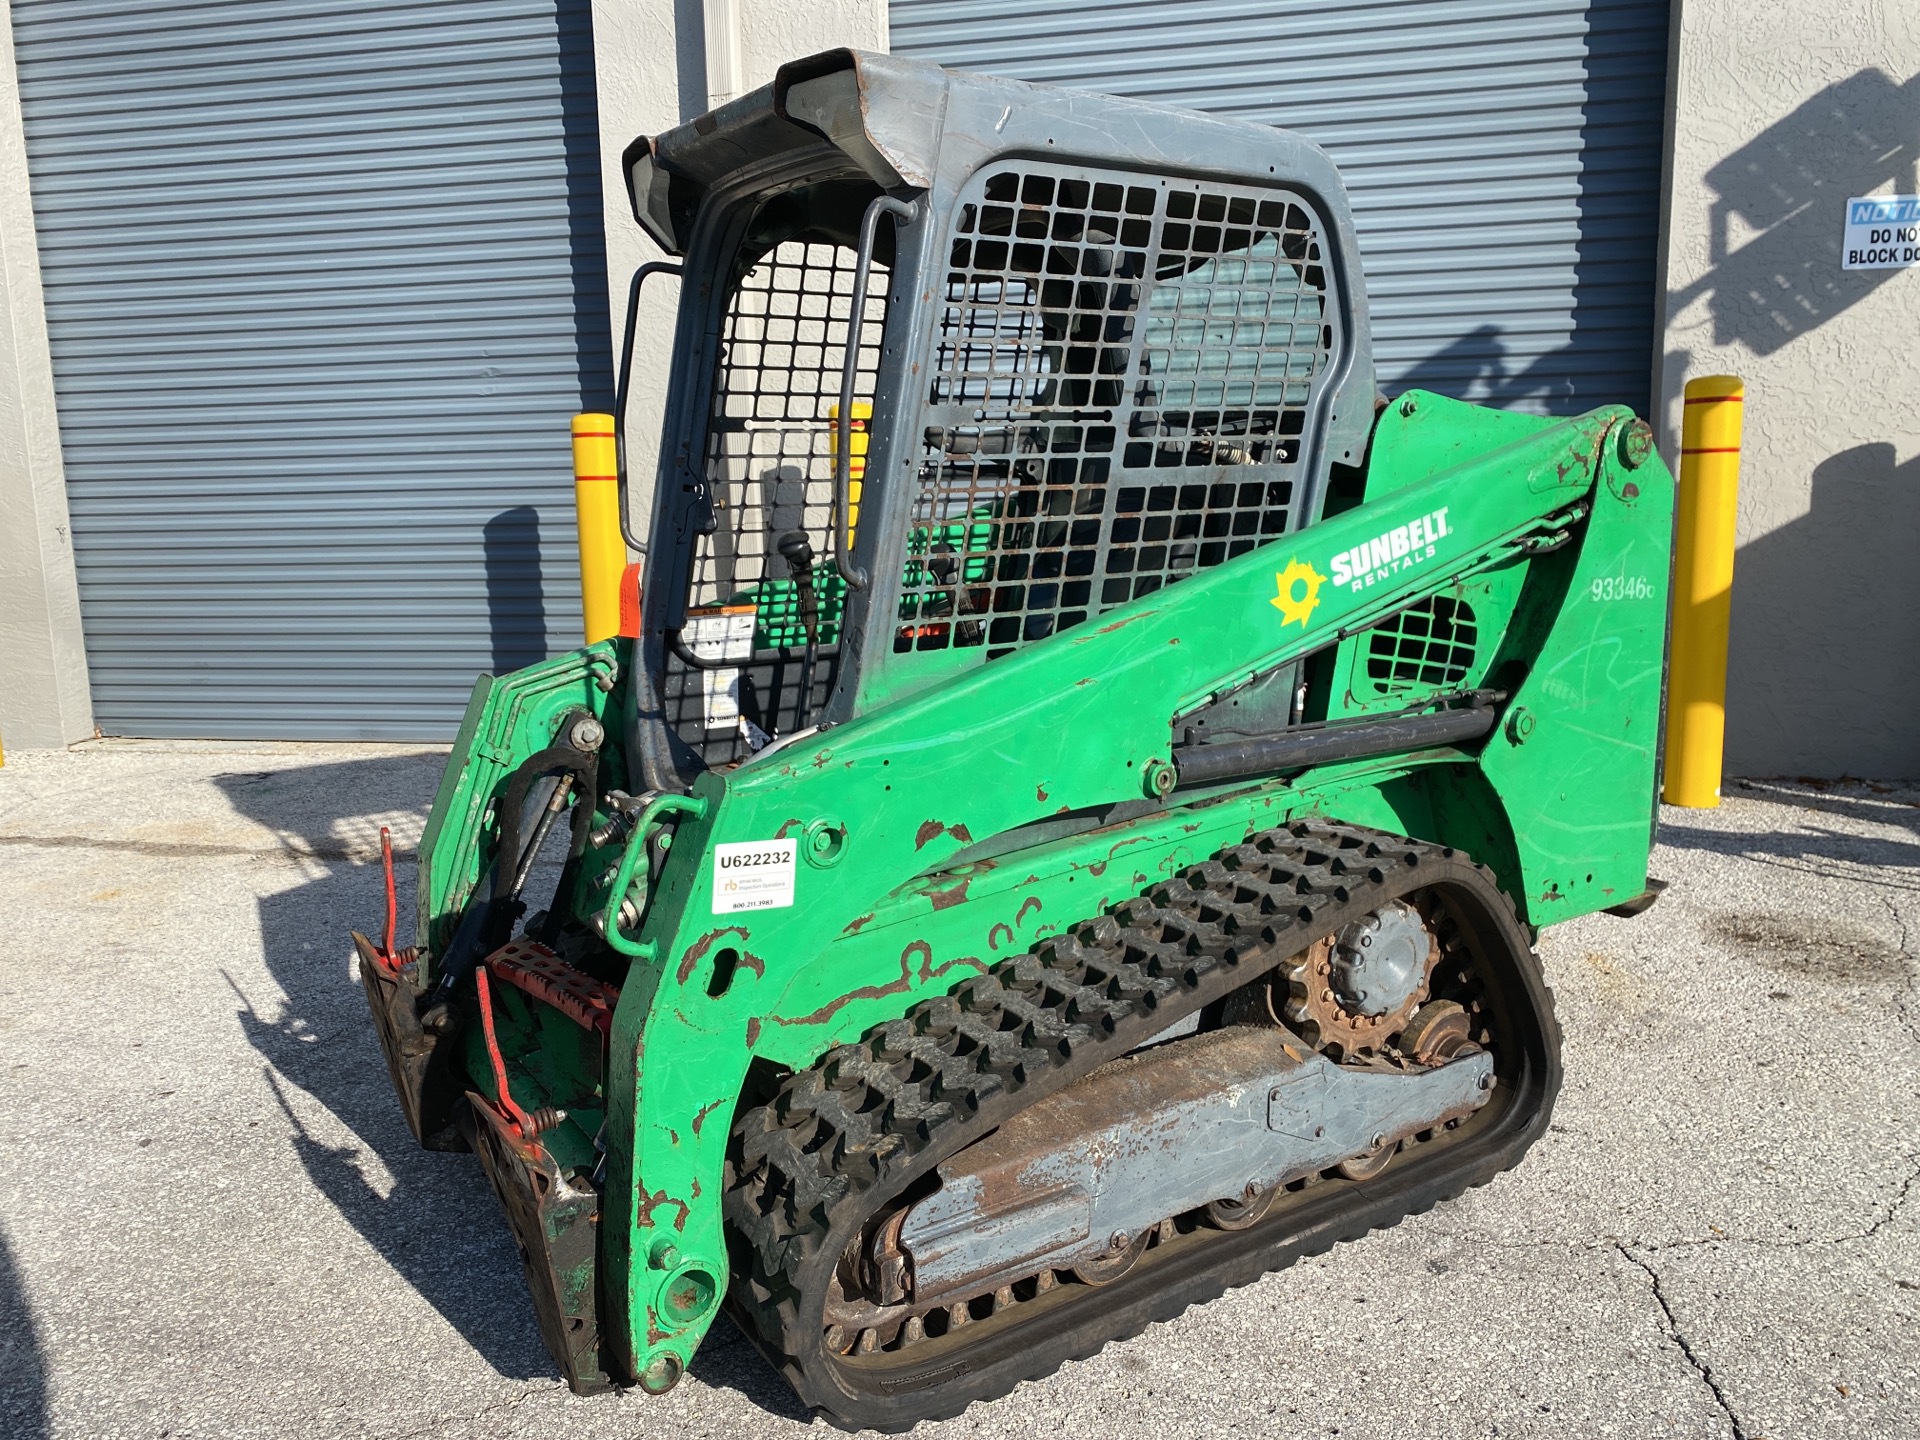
1430	646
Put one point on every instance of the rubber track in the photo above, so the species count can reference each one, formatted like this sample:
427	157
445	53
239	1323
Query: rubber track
846	1135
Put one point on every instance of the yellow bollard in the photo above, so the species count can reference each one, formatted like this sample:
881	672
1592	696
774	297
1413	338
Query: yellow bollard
1702	591
596	499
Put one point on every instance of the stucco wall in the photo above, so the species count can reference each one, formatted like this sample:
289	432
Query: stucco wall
652	74
43	663
1782	111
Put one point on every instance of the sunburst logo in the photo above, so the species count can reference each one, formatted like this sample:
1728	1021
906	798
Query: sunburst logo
1299	592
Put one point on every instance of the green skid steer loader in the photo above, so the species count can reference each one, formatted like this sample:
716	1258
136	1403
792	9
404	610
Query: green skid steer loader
1067	830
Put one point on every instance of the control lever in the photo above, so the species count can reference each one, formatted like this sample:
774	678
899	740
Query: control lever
797	551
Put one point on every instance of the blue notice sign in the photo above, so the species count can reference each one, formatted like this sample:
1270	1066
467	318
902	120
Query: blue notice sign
1883	232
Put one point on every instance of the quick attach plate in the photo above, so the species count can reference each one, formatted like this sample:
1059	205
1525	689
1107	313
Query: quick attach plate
416	1058
556	1225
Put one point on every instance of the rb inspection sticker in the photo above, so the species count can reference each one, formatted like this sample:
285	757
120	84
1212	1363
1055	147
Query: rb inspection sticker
1883	233
753	875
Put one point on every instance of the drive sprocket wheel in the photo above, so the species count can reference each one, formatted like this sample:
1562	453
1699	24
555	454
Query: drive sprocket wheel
1309	990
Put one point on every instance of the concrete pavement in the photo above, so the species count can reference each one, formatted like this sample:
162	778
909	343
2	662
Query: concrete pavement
213	1222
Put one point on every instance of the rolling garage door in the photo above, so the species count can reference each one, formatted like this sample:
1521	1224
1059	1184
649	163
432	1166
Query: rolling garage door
1503	156
325	280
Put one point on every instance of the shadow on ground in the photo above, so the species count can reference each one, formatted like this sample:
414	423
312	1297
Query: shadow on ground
1814	848
438	1225
23	1369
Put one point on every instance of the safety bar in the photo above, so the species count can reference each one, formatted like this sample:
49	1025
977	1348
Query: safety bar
854	575
623	385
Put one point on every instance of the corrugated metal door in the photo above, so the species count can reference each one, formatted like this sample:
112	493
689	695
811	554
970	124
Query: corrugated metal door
325	280
1503	156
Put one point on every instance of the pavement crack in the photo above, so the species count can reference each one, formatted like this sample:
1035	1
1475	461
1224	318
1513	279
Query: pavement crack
1894	1206
507	1402
180	849
1701	1367
1906	1003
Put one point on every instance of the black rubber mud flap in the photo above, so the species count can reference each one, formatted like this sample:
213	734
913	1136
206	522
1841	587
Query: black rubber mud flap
416	1058
556	1224
1640	903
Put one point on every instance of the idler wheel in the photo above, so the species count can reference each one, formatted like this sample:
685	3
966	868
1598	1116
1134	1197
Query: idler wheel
1365	1167
1121	1258
1439	1031
1238	1214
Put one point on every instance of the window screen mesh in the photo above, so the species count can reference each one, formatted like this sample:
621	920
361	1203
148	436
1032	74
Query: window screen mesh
769	468
770	438
1120	391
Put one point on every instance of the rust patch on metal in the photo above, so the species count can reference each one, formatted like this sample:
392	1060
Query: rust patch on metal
1040	794
928	971
698	949
998	926
1098	867
788	824
931	830
753	1031
854	925
1578	459
700	1118
1032	901
649	1202
865	992
944	899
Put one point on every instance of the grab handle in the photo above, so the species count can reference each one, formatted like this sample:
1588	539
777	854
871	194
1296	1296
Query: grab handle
623	383
854	575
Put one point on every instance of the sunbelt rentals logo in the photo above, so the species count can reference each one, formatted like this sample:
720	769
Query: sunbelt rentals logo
1387	554
1297	592
1297	588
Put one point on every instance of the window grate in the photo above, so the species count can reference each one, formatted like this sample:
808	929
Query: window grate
769	470
770	437
1429	646
1121	383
